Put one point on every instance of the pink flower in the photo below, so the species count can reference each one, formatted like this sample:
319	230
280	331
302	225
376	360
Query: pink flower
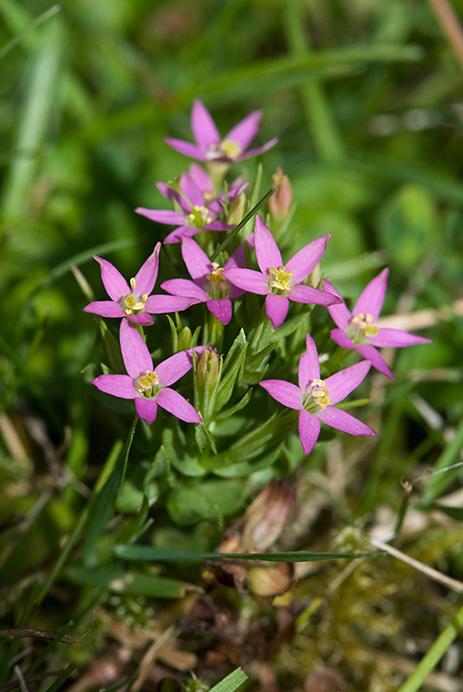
209	284
149	386
134	301
208	144
279	282
358	330
199	210
314	398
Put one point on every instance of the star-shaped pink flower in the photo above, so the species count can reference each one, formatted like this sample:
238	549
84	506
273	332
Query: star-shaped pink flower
199	209
208	144
209	285
281	283
357	330
149	386
315	398
134	301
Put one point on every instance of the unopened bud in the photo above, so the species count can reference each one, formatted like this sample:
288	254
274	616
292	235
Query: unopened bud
184	339
208	366
269	581
267	516
281	200
237	209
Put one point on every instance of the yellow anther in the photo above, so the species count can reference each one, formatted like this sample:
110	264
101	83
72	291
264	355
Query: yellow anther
147	382
215	277
282	280
371	330
131	303
230	149
365	324
133	283
144	297
198	217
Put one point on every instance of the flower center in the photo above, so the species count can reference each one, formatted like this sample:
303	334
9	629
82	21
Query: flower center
132	303
279	280
219	285
148	384
363	327
227	147
198	217
317	396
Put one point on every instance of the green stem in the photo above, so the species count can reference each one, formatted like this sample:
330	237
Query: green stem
434	655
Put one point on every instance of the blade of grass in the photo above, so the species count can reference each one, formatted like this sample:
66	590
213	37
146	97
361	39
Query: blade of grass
10	651
327	140
32	25
48	649
231	683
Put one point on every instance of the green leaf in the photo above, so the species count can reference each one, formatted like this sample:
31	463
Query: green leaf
231	683
133	583
212	499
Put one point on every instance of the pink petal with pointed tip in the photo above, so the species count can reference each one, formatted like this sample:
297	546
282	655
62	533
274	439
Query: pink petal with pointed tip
177	235
341	420
173	368
118	385
339	312
309	366
143	319
396	338
146	276
204	129
113	281
247	280
309	430
201	178
135	354
147	409
221	308
372	299
284	392
175	403
345	381
105	308
161	304
277	309
197	262
185	288
304	262
267	252
186	148
161	215
341	339
371	353
314	296
258	150
244	132
191	190
218	226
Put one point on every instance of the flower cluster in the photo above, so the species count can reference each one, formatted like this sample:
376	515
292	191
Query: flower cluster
221	280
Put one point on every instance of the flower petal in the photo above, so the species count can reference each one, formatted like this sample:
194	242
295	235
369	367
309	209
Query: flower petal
161	215
244	132
314	296
161	304
105	308
201	178
345	381
371	353
340	338
186	148
284	392
339	312
146	276
372	299
304	262
173	368
135	354
191	190
247	279
221	308
309	366
277	309
117	385
186	289
396	338
177	234
147	409
341	420
113	281
143	319
309	430
204	129
258	150
197	262
176	404
267	252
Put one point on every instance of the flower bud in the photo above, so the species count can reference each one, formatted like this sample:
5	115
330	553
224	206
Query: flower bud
208	366
267	516
281	200
237	209
184	339
269	581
